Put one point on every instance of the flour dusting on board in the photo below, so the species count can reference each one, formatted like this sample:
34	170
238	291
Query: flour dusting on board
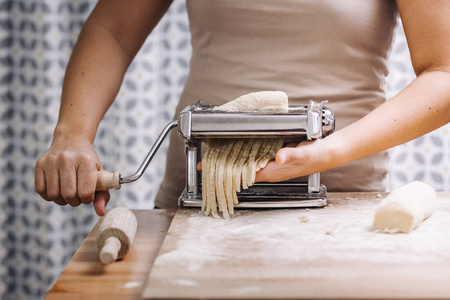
341	233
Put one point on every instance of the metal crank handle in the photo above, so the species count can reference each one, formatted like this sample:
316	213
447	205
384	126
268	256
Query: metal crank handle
107	180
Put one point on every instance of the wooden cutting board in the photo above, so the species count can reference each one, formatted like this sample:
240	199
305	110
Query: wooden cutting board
330	252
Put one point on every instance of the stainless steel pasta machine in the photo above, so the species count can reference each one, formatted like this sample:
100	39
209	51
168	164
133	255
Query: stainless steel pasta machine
198	122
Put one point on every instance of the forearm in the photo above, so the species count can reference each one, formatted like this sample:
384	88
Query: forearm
110	39
67	172
93	78
421	107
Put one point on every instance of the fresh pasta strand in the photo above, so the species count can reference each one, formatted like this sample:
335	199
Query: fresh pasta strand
244	156
205	168
220	180
229	165
230	193
225	163
265	147
211	206
276	145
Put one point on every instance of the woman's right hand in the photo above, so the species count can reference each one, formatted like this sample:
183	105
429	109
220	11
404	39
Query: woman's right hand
108	42
67	173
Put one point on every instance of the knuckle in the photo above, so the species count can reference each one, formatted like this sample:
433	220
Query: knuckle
60	202
69	196
73	202
291	158
86	197
39	186
86	158
40	163
41	190
51	159
44	196
67	157
53	196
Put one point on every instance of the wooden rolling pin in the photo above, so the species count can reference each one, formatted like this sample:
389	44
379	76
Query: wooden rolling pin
116	234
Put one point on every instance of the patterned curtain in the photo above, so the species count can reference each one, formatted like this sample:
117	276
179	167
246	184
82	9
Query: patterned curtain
36	38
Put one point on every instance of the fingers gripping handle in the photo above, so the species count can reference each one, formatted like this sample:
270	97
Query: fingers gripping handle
107	180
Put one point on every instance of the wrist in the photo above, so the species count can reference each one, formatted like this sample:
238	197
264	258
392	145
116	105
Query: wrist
335	150
67	131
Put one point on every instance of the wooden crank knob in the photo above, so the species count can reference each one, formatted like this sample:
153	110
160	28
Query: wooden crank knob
107	180
116	234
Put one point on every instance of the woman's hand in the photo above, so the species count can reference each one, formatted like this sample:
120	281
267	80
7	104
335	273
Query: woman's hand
294	161
419	108
67	173
109	40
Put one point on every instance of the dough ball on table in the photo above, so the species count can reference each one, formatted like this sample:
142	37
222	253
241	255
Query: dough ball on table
405	208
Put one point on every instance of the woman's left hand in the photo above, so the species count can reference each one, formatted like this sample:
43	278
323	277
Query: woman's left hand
306	158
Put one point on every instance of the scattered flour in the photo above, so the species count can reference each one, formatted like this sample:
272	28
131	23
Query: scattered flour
387	230
273	238
303	219
133	284
351	199
185	282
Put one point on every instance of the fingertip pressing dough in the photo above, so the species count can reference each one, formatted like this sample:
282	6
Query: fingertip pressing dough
405	208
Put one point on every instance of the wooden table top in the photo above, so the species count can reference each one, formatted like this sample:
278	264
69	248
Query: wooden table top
85	277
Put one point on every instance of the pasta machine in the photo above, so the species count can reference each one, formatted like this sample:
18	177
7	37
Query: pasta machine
199	122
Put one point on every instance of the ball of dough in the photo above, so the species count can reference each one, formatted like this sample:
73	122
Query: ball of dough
405	208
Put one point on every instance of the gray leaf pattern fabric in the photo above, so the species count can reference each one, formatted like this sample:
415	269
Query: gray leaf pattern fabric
36	38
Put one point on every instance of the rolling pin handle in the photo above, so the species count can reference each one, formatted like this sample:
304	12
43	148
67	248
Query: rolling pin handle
107	180
110	250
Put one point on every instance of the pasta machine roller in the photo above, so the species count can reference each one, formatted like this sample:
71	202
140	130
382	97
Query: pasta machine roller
199	122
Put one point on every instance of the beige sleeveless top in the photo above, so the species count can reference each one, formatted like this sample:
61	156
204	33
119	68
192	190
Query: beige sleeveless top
330	49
